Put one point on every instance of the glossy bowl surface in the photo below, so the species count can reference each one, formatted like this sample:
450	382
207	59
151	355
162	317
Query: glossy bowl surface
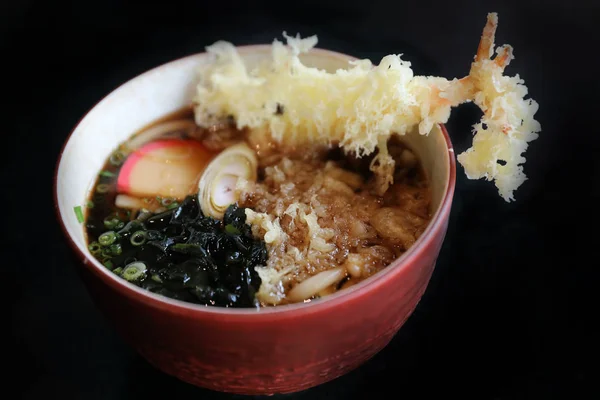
273	350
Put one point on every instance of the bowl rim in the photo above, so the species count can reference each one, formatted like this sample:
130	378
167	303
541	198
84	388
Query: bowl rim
174	306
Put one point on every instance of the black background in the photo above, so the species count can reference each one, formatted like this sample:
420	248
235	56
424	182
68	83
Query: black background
507	313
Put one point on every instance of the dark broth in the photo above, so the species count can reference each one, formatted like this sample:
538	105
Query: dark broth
185	255
176	251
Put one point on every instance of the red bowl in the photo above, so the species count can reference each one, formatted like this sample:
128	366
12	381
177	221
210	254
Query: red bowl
272	350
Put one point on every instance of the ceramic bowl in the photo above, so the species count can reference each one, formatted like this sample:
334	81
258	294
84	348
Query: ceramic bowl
281	349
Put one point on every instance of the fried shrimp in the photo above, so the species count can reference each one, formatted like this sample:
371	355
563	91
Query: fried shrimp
507	125
360	108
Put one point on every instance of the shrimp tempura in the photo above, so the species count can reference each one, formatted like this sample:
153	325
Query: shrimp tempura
359	108
507	125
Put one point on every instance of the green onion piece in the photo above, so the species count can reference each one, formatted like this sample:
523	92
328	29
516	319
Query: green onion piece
134	271
108	264
108	174
232	229
89	204
118	270
117	158
94	248
107	238
156	278
79	214
111	223
102	188
115	249
138	238
173	205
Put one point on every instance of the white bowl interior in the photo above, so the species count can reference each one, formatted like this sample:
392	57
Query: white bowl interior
169	88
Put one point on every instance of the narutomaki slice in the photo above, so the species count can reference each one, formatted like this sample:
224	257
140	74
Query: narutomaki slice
166	168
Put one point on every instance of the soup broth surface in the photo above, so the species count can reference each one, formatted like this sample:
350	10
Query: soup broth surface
329	229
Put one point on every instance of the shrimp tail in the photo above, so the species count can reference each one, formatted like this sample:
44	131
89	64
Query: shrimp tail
485	50
486	44
504	56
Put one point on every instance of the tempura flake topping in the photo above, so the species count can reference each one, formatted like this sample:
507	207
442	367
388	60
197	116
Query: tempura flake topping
359	108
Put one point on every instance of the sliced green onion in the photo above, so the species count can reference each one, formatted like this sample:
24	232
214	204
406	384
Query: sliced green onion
117	158
108	264
102	188
138	238
79	214
115	249
156	278
94	248
106	253
111	223
89	204
118	270
108	174
173	205
232	229
134	271
107	238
